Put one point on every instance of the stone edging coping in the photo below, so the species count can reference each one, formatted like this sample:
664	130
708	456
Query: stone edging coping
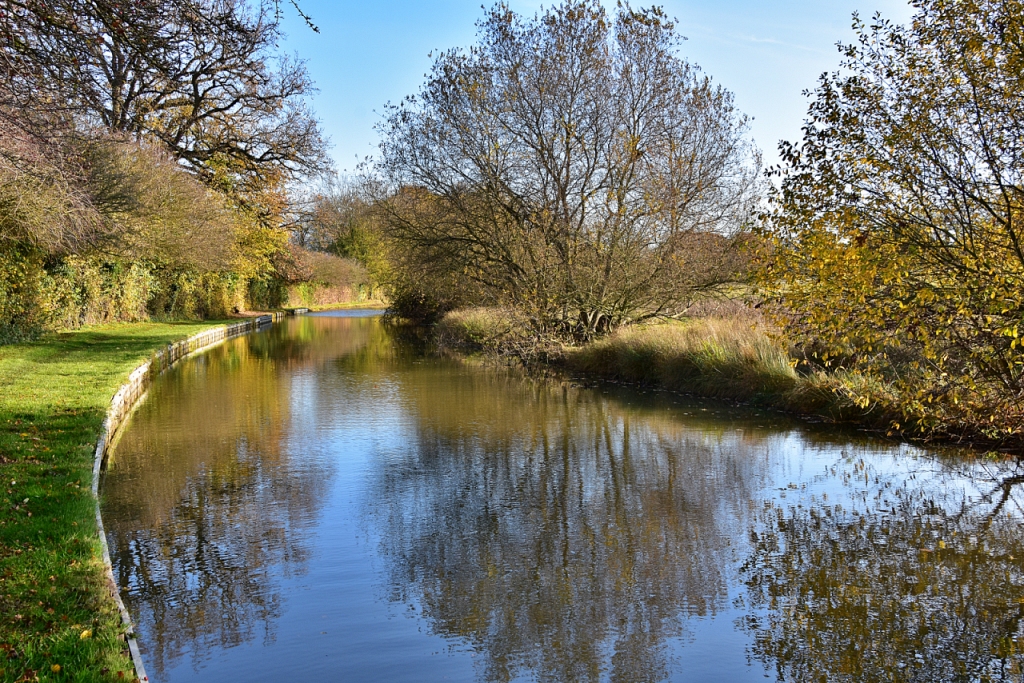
121	406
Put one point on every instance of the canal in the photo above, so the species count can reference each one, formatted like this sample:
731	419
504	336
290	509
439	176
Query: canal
325	499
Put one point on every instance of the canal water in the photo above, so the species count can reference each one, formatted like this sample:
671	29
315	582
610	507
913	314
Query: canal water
324	500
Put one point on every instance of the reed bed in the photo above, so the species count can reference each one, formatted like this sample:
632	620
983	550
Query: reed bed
726	354
716	357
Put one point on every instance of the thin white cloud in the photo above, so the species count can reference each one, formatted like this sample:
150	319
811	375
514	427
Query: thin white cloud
742	39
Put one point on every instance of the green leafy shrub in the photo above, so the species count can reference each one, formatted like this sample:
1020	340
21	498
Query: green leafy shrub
267	293
21	278
37	294
192	295
83	291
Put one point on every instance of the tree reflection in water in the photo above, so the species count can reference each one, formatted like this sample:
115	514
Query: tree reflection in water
564	536
561	534
915	579
204	507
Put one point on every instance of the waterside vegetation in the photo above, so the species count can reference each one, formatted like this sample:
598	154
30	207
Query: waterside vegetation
739	358
884	257
571	166
153	160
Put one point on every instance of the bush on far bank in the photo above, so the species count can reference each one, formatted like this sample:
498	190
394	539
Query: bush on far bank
726	357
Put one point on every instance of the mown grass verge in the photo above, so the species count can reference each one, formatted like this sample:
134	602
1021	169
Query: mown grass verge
59	622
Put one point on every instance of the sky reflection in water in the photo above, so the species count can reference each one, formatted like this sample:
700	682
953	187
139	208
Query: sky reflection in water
322	499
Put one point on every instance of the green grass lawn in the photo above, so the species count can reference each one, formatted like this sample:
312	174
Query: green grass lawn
57	621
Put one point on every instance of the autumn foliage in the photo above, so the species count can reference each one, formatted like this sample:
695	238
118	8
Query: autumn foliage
896	243
147	155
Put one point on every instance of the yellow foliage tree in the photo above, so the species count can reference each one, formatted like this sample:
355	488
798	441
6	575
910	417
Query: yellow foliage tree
895	235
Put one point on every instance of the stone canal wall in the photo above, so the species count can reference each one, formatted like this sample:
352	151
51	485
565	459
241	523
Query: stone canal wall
121	406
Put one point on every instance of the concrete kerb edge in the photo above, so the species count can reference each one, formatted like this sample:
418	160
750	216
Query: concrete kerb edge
121	407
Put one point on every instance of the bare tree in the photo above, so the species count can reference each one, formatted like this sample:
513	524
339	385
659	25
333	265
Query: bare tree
337	218
567	164
201	76
43	203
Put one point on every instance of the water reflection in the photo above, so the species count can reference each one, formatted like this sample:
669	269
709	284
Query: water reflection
322	500
567	537
909	577
205	509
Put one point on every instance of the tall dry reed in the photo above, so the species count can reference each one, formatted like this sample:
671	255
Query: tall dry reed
725	358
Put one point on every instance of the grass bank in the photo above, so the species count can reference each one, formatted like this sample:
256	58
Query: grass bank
735	357
728	358
59	622
711	357
731	358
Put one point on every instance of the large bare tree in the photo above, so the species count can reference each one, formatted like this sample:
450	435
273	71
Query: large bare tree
573	165
201	76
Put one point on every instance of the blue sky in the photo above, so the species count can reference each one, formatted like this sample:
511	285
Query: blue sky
370	53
